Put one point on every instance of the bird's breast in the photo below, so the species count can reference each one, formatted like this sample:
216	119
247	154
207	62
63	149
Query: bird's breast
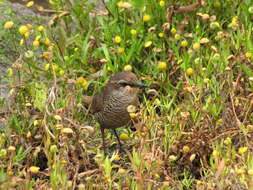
114	113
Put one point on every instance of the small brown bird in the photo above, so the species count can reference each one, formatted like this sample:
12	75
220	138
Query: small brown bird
110	106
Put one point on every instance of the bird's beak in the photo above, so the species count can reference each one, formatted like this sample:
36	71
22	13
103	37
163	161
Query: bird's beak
140	85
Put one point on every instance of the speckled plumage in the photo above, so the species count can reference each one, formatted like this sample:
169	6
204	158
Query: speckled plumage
110	106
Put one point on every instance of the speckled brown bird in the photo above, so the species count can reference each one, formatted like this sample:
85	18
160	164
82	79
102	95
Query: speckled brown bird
110	106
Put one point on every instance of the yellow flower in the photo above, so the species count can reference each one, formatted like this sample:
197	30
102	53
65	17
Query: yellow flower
205	16
27	34
53	148
85	85
196	46
250	127
36	122
51	2
186	149
125	5
30	3
36	43
121	171
28	104
177	36
235	19
47	67
10	72
172	157
109	68
219	121
240	171
250	9
128	68
120	4
66	58
57	117
248	54
189	71
133	32
41	28
11	148
131	109
47	42
124	136
38	37
28	134
21	42
204	41
120	50
242	150
161	34
215	153
173	30
250	171
206	80
47	55
227	141
34	169
162	3
214	25
184	43
146	18
217	4
148	44
117	39
8	25
61	72
162	65
192	157
55	68
81	81
234	22
23	29
29	26
133	115
67	131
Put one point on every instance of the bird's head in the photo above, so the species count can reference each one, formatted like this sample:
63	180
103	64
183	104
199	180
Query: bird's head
126	82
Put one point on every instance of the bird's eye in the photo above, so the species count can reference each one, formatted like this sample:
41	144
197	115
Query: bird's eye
123	83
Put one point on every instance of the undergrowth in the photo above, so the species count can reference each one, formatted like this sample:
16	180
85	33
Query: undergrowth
194	126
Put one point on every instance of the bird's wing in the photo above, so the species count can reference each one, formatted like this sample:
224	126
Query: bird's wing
100	99
97	103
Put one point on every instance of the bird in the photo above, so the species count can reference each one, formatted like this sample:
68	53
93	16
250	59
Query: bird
109	107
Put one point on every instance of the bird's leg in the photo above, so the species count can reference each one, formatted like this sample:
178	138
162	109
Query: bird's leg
103	139
120	145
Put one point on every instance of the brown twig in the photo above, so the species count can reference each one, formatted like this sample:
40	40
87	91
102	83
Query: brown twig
189	8
247	113
226	133
87	173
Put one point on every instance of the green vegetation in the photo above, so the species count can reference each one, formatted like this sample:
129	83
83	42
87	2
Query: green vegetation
195	123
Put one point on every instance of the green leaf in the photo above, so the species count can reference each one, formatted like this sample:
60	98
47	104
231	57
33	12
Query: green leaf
21	154
135	48
247	70
106	52
86	45
40	96
108	166
138	3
